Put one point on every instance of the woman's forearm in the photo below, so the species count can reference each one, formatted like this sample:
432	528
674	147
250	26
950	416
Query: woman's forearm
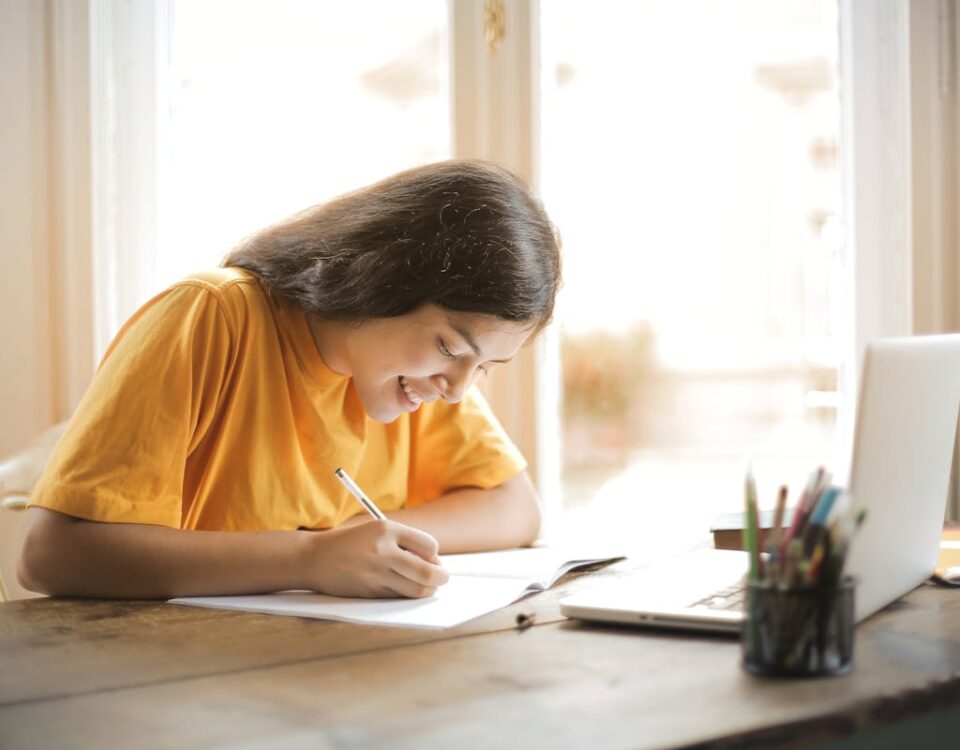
69	556
63	555
472	520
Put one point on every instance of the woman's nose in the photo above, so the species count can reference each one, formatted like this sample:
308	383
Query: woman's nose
452	386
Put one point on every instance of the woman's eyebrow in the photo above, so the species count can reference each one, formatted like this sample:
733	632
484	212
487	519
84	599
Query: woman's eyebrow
472	343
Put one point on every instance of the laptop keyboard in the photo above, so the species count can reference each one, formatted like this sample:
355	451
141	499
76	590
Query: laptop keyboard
730	598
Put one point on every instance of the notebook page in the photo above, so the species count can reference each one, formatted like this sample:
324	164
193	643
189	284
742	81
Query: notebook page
463	598
538	566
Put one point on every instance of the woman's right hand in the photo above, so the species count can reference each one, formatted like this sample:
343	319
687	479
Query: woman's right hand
374	559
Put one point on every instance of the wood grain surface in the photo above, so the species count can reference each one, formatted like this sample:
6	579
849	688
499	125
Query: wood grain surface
144	674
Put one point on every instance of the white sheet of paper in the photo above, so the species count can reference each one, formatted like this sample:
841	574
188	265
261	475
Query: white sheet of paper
462	598
479	583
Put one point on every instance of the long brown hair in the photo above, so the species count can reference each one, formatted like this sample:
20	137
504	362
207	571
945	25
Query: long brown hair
464	235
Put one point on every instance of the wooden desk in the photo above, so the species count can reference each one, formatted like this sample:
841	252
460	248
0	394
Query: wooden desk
77	673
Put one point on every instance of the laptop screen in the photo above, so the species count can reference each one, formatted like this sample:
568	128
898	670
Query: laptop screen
902	456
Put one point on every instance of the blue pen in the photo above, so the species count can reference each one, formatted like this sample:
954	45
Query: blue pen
824	506
816	530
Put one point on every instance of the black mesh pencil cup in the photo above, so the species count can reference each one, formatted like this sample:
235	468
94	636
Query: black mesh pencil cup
800	631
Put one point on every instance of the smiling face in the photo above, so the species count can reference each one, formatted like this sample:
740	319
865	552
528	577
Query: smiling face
401	362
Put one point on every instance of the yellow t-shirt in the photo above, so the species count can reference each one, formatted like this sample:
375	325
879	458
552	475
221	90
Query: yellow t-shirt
212	409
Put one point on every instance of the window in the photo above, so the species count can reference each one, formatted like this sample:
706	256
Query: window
724	119
278	106
692	168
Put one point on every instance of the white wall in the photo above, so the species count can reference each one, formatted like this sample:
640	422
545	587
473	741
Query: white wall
26	382
26	390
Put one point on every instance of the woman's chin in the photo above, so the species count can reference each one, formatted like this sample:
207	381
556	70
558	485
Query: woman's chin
384	414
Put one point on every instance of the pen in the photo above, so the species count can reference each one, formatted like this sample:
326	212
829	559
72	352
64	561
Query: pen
820	512
816	485
816	528
354	490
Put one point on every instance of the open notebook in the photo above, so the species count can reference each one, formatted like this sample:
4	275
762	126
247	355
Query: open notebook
479	583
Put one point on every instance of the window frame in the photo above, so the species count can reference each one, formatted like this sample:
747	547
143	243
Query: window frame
495	115
898	64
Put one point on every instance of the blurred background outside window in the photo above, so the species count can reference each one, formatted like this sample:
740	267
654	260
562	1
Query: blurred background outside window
689	157
277	106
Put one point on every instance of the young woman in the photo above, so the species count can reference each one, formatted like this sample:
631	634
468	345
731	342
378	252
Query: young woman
201	460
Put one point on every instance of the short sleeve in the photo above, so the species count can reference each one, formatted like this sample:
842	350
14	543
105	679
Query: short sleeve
459	445
123	455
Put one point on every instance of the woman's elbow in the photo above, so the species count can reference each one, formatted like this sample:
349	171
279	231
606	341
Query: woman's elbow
29	569
534	524
525	498
37	564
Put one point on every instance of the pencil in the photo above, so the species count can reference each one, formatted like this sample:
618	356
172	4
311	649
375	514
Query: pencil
355	490
813	566
750	532
750	543
776	533
791	563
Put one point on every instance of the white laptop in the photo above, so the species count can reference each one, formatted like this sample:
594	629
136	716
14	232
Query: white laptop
900	471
